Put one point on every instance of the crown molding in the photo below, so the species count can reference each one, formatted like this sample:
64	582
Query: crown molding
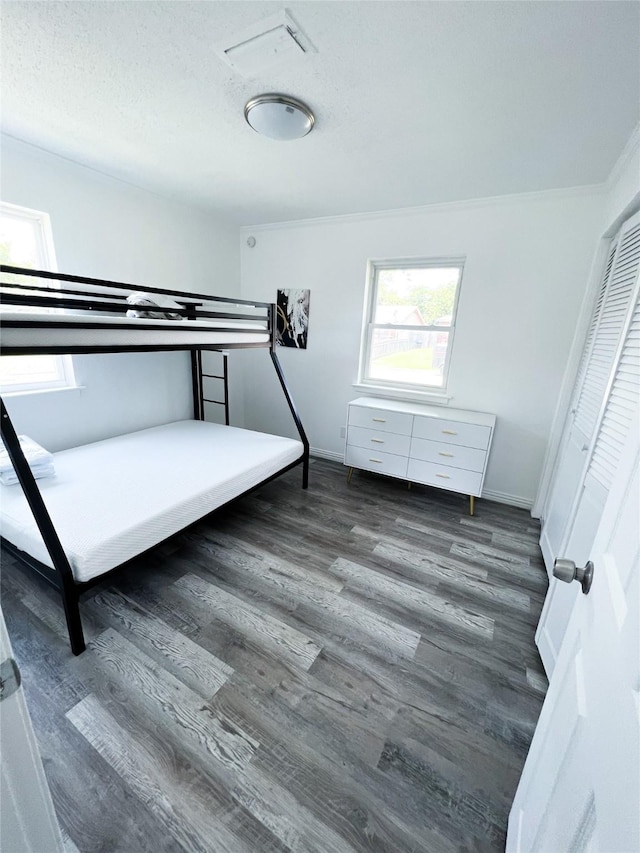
538	195
628	153
17	143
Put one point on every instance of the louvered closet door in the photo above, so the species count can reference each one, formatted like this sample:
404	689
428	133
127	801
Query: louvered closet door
597	356
620	408
587	399
605	398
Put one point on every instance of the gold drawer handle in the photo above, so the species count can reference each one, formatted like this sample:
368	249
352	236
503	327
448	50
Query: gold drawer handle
378	440
379	420
440	453
376	460
449	432
444	476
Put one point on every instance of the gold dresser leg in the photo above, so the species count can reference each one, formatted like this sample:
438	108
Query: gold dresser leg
349	474
472	504
409	484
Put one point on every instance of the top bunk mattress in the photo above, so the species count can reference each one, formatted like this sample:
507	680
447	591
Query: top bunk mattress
113	499
38	332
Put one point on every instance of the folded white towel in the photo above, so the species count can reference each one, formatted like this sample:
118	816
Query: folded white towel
40	461
45	469
157	300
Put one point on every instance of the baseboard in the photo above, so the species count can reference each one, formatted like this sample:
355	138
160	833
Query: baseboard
511	500
327	454
499	497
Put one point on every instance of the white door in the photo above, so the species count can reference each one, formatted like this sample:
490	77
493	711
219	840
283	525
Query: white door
604	398
27	819
580	787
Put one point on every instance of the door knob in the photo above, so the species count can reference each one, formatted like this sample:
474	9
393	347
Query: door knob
567	571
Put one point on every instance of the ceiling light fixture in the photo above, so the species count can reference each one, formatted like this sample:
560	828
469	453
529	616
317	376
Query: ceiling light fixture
279	116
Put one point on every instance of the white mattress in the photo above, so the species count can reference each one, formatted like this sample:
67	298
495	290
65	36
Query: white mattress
138	331
113	499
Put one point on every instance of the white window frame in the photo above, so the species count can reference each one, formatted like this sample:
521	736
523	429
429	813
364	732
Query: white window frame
62	364
409	389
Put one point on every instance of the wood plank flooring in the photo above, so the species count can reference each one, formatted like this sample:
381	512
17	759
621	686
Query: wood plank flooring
350	668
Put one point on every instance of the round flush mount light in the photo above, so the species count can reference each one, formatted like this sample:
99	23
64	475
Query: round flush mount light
279	116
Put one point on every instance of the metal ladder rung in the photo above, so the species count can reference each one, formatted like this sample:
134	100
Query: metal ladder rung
200	386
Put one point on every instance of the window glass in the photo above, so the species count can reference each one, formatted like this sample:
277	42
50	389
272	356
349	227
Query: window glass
25	241
409	329
19	245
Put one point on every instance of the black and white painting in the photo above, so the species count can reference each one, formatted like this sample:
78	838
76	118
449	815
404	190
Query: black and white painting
293	318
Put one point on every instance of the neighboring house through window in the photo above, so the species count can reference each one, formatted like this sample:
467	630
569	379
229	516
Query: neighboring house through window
409	324
25	241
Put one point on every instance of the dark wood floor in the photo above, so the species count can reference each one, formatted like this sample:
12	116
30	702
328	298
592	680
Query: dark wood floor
350	668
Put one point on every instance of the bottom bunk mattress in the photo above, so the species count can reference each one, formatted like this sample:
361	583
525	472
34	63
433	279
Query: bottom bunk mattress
113	499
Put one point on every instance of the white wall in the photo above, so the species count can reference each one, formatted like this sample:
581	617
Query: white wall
527	264
109	229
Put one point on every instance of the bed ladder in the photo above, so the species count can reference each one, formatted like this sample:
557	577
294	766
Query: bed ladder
198	385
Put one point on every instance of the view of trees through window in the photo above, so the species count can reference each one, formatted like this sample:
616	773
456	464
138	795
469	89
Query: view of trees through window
410	331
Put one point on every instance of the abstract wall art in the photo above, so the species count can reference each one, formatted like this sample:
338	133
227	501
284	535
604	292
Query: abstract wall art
293	318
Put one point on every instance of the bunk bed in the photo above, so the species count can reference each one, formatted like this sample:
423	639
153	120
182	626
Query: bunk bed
153	482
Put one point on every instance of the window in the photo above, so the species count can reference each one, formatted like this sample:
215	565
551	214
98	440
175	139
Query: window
25	241
409	324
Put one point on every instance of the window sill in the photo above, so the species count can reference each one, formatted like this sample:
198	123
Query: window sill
434	397
32	392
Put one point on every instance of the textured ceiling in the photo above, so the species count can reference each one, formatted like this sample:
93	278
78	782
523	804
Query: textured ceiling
415	102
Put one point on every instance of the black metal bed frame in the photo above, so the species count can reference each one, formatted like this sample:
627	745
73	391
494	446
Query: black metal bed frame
109	297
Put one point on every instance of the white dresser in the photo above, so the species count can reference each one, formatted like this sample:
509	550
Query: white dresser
434	445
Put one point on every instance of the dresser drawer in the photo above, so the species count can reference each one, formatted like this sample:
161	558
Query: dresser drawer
388	442
373	460
452	432
456	479
452	455
380	420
